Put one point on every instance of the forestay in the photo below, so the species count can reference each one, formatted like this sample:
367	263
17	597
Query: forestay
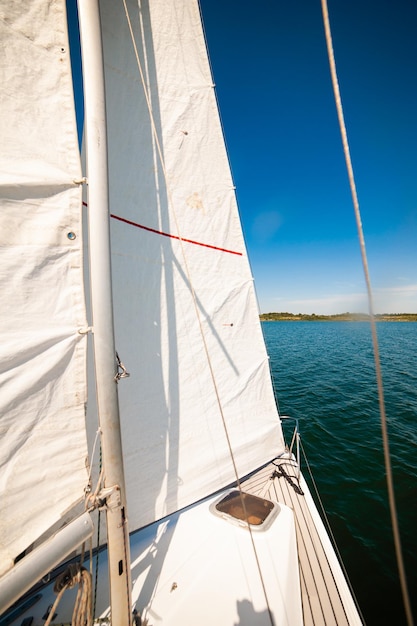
179	260
42	352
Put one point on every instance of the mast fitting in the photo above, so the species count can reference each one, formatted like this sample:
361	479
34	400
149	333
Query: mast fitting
121	370
107	499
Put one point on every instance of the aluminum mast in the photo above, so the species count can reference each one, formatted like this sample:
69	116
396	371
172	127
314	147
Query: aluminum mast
102	310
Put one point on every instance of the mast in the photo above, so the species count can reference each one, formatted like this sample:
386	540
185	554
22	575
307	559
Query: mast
102	311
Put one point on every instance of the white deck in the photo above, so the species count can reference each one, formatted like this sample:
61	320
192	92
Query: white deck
195	567
326	598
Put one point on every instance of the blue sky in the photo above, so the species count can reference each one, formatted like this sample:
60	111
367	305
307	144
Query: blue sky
273	86
276	102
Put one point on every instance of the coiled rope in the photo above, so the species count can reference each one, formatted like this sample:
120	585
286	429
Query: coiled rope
73	575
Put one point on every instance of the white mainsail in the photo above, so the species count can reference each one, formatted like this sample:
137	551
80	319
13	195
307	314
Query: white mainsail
198	410
174	441
180	273
42	316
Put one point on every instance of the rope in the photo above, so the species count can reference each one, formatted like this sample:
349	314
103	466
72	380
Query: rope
88	487
82	614
281	471
330	532
384	430
193	295
92	502
98	547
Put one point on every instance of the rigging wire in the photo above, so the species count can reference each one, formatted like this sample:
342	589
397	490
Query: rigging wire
194	298
97	546
329	530
384	429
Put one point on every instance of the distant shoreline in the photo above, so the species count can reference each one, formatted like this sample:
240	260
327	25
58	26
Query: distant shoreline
341	317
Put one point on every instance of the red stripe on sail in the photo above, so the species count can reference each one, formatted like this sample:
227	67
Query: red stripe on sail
160	232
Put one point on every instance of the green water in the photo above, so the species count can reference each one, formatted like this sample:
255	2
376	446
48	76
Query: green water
324	375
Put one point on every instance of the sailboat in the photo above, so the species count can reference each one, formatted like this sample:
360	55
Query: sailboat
135	379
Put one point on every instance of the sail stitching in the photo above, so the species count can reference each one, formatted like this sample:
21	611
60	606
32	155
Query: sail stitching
180	239
194	298
384	430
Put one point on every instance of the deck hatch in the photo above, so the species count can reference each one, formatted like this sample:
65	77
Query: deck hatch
260	512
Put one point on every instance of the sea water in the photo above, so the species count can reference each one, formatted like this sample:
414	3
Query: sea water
324	375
